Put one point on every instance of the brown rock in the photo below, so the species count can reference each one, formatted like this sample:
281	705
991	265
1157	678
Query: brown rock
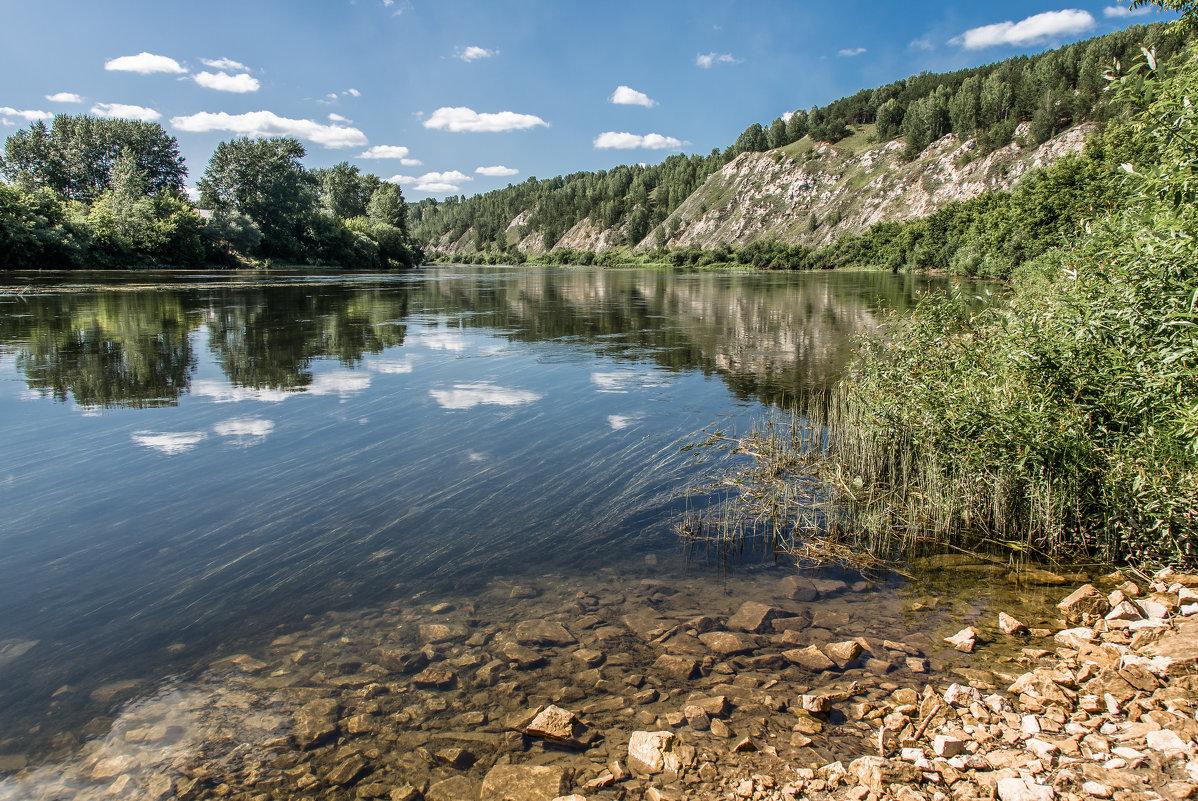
1009	625
456	788
542	632
964	640
726	643
433	633
647	750
678	668
798	589
347	770
843	653
810	658
523	783
1084	606
434	677
558	725
755	618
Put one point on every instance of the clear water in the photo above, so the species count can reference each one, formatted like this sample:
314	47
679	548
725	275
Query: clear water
192	464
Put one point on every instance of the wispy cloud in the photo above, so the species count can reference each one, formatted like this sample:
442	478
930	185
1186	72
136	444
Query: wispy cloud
923	43
338	118
385	152
170	444
145	64
709	60
29	115
1034	29
224	64
64	97
267	123
498	171
224	82
473	53
1124	11
245	431
125	112
460	118
612	140
627	96
467	396
850	51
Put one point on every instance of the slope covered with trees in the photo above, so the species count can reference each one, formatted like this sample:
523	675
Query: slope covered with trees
1046	93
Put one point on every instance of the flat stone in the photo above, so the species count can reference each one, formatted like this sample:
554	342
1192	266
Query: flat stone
964	640
1166	741
347	770
726	643
1037	577
433	633
1009	625
678	668
523	783
403	660
1017	789
522	656
647	750
798	589
1125	610
1084	605
755	618
811	658
457	788
542	632
405	792
947	745
558	725
842	653
829	587
714	705
1075	638
456	757
434	677
589	657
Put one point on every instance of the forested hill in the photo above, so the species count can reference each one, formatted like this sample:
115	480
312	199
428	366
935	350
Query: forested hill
1008	116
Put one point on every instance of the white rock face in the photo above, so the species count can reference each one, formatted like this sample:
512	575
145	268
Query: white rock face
649	749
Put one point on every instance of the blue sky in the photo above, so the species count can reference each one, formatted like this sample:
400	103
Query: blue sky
463	96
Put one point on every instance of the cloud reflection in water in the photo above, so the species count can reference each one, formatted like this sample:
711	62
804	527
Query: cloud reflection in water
467	396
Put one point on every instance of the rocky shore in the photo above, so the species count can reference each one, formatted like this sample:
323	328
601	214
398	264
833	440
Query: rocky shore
619	689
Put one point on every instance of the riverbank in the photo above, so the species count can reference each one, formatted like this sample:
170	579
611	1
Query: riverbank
622	686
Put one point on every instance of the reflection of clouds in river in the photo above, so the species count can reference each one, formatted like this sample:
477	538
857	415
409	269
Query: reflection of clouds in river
342	382
220	392
627	380
475	456
169	443
245	431
467	396
391	366
443	340
219	725
618	422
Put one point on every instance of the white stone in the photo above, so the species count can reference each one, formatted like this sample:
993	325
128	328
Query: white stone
1016	789
964	640
649	747
1125	610
1029	725
1166	741
1096	790
946	745
1075	638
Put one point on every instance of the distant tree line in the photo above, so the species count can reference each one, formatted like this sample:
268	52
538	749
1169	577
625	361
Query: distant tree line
1050	91
91	192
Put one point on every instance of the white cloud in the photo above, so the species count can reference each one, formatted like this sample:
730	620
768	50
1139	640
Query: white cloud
467	396
709	60
220	392
498	171
338	118
433	182
443	339
473	53
352	92
627	96
384	152
627	380
411	162
245	431
267	123
619	422
401	179
224	82
225	64
341	382
64	97
1036	28
460	118
28	115
170	444
922	44
850	51
611	140
391	366
144	64
125	112
1124	11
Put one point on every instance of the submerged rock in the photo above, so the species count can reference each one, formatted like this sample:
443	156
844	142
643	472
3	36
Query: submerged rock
523	783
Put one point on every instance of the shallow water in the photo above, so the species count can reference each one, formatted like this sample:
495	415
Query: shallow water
194	466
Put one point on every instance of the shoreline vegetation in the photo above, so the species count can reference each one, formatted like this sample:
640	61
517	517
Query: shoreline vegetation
1061	423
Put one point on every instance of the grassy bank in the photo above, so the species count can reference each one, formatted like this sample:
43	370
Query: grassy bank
1062	421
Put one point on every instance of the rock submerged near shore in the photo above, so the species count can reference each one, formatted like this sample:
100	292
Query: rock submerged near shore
623	695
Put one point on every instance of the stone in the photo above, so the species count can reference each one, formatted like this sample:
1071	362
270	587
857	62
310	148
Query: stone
917	665
720	729
403	660
755	618
520	592
1125	610
725	643
947	745
843	653
455	788
347	770
589	657
433	633
456	757
964	640
715	705
1076	638
1009	625
876	773
696	717
434	677
795	588
558	725
1018	789
815	704
646	750
811	658
678	668
805	723
1097	790
1084	605
1165	741
315	722
744	745
542	632
523	657
1036	577
523	783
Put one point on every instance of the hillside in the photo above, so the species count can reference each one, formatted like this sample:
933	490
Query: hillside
897	152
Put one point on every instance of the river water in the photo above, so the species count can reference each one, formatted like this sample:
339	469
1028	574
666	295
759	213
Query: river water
198	466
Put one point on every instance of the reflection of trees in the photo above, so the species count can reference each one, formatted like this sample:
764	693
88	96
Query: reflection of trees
266	338
134	348
117	349
765	335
